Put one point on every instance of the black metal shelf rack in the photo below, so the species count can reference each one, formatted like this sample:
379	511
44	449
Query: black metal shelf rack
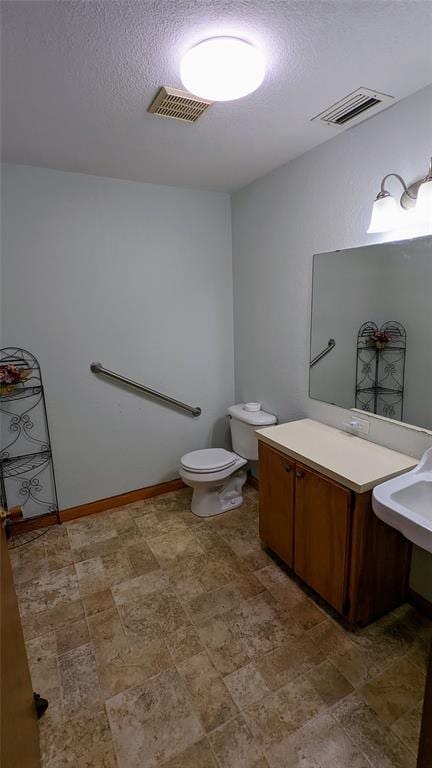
380	372
27	476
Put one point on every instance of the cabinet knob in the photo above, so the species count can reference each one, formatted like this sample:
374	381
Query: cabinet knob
299	474
288	468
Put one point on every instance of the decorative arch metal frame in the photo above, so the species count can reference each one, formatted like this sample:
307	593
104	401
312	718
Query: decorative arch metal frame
27	474
380	373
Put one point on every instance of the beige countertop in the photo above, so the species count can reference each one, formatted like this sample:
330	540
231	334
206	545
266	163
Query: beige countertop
352	461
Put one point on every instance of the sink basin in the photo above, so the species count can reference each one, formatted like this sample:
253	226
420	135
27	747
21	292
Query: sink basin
405	503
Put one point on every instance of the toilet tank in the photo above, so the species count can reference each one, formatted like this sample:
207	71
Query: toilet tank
245	418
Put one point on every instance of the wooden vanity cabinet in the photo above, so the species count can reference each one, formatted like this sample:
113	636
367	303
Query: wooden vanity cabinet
331	538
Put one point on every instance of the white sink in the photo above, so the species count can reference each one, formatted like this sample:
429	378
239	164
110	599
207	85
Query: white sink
405	502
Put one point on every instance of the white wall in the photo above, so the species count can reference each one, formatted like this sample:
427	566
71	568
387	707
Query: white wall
138	277
318	202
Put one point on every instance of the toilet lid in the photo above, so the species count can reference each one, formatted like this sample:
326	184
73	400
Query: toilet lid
208	460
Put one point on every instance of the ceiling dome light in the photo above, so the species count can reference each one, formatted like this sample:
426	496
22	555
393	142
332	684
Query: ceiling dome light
222	69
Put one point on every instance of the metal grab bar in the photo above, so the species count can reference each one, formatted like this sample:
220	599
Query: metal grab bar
330	344
98	368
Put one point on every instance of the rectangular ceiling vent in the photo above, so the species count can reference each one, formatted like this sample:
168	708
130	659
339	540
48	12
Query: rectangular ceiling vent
180	105
355	107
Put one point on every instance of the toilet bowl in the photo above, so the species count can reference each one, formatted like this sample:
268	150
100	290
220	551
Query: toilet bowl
217	476
217	479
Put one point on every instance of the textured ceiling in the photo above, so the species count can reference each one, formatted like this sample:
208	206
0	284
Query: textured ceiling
78	77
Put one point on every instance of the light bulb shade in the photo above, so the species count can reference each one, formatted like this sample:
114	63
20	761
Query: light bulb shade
385	215
423	207
222	69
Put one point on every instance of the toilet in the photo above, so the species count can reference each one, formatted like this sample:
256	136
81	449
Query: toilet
217	476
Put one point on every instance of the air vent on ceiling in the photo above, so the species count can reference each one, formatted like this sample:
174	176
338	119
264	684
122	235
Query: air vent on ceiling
181	105
355	107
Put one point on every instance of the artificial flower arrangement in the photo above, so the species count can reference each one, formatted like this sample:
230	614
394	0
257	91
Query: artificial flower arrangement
380	338
10	376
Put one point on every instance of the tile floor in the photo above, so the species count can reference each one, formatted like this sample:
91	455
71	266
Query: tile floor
163	640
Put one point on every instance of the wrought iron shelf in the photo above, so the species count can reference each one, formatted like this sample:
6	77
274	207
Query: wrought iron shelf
373	348
12	466
385	390
21	392
26	466
380	371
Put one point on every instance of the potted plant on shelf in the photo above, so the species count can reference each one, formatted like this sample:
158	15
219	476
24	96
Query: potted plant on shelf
379	339
10	376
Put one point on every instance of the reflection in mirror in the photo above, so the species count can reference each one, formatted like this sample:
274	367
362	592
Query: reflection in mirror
371	332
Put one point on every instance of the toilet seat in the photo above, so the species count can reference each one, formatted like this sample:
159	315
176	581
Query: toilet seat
208	460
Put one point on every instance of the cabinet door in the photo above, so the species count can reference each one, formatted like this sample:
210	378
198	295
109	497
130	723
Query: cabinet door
321	538
276	496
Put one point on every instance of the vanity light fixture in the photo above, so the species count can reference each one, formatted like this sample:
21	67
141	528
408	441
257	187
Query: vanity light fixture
222	69
417	198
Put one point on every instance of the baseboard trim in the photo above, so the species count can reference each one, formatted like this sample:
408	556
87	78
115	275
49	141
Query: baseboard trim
253	481
420	602
101	505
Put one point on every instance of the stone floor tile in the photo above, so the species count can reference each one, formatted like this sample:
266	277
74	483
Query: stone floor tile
246	685
259	558
174	545
288	661
29	562
107	542
396	690
91	576
292	706
37	624
89	530
132	590
357	663
199	755
152	722
79	679
223	646
117	567
72	635
372	736
100	757
256	624
152	617
48	591
98	601
241	542
183	643
133	667
247	584
141	558
155	524
64	743
209	695
108	636
57	548
209	604
279	583
407	727
321	743
306	614
235	746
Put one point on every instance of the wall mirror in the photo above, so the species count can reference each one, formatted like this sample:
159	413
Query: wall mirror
371	331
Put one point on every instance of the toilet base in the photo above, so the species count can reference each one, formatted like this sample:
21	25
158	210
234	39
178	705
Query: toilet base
211	501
